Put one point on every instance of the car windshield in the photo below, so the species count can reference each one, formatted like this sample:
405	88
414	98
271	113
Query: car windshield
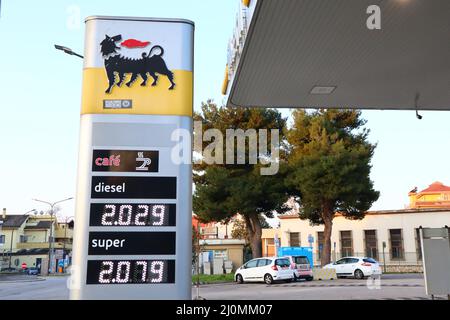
301	260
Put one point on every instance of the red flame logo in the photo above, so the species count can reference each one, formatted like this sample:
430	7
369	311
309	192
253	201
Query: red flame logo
133	43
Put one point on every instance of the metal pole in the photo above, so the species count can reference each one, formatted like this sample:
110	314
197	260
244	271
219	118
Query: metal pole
10	248
50	247
198	260
334	249
64	246
384	261
65	240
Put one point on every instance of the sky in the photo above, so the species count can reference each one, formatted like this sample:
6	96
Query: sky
40	92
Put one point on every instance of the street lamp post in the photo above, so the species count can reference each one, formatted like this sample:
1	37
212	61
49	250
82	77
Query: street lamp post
68	51
50	241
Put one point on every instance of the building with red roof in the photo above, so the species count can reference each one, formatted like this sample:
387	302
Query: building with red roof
437	195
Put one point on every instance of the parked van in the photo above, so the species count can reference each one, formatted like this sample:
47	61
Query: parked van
302	267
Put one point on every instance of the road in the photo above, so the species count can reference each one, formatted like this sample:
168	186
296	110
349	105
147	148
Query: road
391	287
50	288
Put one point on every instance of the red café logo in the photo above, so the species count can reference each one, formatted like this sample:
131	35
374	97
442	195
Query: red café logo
112	161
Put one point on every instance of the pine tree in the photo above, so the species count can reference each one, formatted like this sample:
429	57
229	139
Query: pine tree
329	168
223	190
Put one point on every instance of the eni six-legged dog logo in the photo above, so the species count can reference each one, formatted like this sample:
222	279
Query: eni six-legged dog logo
117	66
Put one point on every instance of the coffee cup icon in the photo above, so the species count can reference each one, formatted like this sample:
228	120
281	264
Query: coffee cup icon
145	162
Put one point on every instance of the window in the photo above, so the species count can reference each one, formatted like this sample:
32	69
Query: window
263	262
23	238
221	254
294	239
251	264
341	261
301	260
352	260
418	246
396	241
320	243
2	238
369	260
370	241
346	243
282	263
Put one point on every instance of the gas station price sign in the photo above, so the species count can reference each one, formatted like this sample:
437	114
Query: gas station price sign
132	237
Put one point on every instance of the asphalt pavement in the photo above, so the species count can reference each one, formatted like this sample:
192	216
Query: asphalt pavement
390	287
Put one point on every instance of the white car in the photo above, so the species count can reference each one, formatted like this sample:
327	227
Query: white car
358	267
268	269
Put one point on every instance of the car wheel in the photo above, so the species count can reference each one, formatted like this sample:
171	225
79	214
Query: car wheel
288	280
268	279
239	279
359	274
310	279
295	277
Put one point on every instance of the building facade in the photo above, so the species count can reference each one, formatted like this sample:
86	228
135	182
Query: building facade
437	195
391	236
24	240
216	242
269	239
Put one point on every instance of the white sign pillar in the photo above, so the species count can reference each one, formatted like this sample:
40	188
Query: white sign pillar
134	200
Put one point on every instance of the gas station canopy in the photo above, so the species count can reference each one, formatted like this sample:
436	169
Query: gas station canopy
323	54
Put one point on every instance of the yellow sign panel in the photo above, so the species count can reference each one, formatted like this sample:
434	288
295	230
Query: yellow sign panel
137	99
140	66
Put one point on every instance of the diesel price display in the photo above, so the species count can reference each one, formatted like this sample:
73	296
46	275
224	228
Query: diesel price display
132	214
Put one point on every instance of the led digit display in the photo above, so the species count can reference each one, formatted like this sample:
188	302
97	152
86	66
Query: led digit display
130	271
132	215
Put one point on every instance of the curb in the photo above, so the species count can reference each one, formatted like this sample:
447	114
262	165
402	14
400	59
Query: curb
212	283
19	281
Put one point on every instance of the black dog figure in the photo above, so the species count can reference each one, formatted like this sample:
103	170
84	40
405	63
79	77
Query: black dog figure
115	63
